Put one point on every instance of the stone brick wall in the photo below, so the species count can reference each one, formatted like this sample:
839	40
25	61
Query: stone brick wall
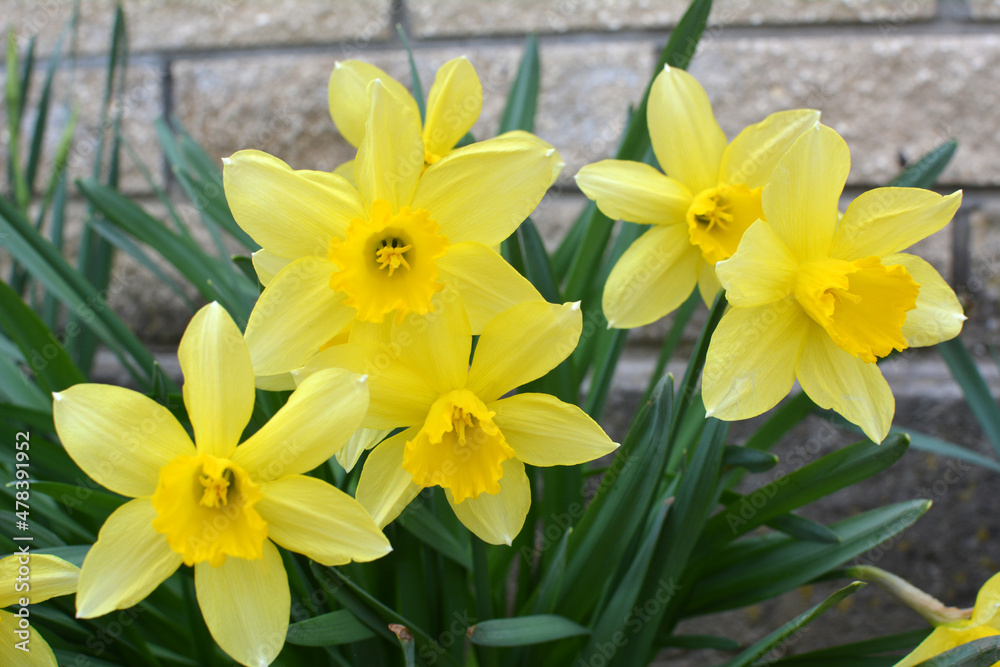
894	77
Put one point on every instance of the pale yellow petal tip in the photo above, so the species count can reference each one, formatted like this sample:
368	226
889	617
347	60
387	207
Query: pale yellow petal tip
363	379
709	413
226	161
550	152
337	64
666	67
57	396
575	305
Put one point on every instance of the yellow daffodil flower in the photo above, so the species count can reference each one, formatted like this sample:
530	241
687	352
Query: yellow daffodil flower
333	254
212	504
461	434
30	579
985	622
819	300
698	211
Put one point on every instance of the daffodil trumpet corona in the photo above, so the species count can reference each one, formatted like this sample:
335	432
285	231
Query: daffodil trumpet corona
697	211
334	253
214	504
820	298
463	432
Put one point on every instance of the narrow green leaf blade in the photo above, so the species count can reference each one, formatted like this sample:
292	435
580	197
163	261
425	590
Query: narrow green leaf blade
923	172
977	393
524	630
519	114
337	627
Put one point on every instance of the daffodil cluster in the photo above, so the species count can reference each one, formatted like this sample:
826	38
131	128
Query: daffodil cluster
814	296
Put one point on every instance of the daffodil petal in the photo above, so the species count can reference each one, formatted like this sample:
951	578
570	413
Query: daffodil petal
119	437
453	106
295	316
391	157
938	316
317	420
557	164
544	431
246	604
497	518
362	440
636	192
290	213
50	577
267	265
800	201
398	395
346	170
276	382
754	153
127	562
348	96
762	271
437	345
687	140
987	604
652	277
39	655
385	489
886	220
308	516
836	380
708	282
218	380
751	360
522	344
486	284
944	639
483	191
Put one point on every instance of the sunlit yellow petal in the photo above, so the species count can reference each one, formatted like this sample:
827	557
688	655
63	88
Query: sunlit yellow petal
498	518
119	437
126	563
48	577
836	380
290	213
399	396
267	265
522	344
391	157
751	360
363	439
486	284
346	170
437	345
483	191
938	316
687	140
310	517
316	421
800	202
654	276
38	653
544	431
348	96
276	382
636	192
557	164
246	604
295	316
453	105
987	608
385	489
944	639
218	380
762	271
753	154
886	220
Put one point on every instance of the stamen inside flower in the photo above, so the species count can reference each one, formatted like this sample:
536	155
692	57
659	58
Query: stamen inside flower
861	304
718	217
388	262
459	447
205	508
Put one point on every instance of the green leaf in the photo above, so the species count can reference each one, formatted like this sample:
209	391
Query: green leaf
859	654
760	649
751	459
983	652
519	113
927	443
427	528
91	502
43	351
755	569
524	630
977	394
337	627
837	470
923	172
803	528
74	554
418	89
